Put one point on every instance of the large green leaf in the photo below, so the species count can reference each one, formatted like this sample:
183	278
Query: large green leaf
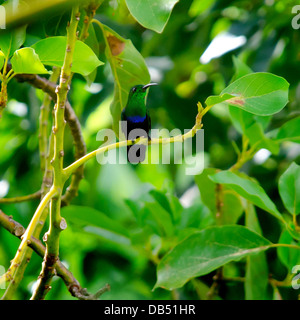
206	251
152	14
289	188
248	189
258	93
52	52
25	60
128	68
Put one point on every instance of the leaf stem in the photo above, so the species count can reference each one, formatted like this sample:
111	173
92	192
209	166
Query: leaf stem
285	245
9	73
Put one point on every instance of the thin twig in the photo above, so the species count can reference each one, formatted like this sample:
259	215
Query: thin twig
32	196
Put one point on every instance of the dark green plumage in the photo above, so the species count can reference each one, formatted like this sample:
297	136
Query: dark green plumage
136	116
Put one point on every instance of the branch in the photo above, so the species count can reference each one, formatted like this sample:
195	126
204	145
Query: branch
10	225
33	196
82	294
43	121
90	9
179	138
15	262
74	125
45	166
16	229
57	223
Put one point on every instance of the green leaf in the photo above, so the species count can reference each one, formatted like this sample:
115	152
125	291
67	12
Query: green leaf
232	207
290	131
212	100
25	60
293	230
128	68
288	256
158	218
196	216
241	69
12	40
151	14
258	93
206	251
96	222
257	137
170	204
207	188
248	189
162	199
241	119
289	188
52	52
256	279
2	58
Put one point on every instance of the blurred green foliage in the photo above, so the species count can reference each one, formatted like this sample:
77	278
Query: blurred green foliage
161	197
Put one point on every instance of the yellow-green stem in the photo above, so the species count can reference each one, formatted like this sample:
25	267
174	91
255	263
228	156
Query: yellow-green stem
179	138
26	237
44	120
57	223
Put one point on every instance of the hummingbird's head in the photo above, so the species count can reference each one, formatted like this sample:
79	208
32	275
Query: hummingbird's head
139	91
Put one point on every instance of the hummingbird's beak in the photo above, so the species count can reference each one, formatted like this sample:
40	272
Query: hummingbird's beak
149	85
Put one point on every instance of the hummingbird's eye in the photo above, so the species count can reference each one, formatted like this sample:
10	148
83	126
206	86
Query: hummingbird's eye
133	89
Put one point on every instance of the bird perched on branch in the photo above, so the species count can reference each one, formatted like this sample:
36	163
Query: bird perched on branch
136	121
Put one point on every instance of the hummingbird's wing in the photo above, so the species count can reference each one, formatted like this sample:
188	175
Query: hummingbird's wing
148	120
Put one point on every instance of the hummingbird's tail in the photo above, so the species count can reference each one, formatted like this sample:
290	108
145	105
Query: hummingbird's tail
136	153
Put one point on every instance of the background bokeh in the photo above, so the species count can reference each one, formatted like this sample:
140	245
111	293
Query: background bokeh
261	36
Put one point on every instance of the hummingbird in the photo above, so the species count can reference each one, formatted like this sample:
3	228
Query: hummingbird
136	116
